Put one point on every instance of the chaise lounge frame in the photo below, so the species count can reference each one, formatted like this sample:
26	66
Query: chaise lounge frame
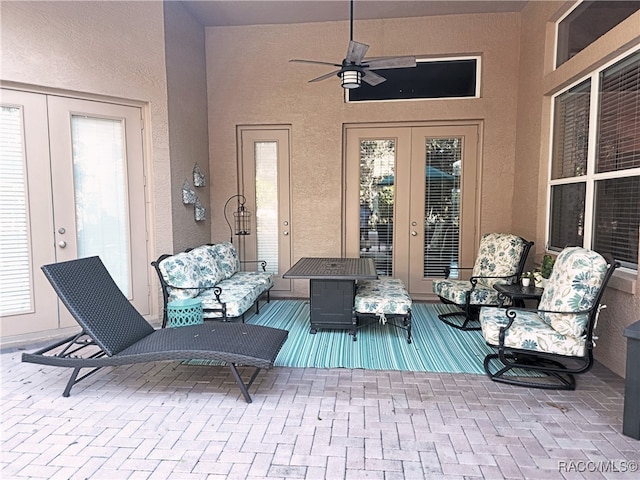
114	333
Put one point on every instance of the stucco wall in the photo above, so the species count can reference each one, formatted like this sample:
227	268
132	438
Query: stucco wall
537	82
99	48
252	82
187	110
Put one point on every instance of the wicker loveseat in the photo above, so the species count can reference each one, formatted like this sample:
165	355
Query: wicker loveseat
213	274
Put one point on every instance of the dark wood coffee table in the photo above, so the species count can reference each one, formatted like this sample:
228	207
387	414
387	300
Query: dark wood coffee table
518	294
332	284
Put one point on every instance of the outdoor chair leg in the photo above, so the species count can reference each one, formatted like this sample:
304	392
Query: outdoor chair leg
550	368
243	388
74	379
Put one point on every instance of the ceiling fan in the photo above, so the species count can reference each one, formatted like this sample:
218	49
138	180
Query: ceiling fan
355	67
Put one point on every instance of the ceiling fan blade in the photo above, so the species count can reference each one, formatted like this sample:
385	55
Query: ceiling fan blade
389	62
315	61
356	52
372	78
325	76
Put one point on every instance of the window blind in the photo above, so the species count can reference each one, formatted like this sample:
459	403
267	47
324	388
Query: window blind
442	205
15	263
617	200
571	132
266	158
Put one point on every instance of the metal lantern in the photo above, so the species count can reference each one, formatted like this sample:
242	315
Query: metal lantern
241	217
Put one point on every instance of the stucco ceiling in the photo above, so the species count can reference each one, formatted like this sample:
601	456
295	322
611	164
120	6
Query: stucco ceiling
261	12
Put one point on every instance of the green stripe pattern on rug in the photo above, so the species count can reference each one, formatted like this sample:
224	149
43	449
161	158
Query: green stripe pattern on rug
435	347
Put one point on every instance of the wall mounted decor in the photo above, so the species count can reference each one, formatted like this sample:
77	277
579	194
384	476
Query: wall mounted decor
188	195
199	179
200	213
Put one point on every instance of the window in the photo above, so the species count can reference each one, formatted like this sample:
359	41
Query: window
587	22
443	78
595	163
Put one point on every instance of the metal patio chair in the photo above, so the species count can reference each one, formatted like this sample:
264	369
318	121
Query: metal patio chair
501	259
545	347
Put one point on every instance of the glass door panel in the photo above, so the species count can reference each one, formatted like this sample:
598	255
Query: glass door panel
264	181
377	198
266	155
100	194
442	205
98	190
27	302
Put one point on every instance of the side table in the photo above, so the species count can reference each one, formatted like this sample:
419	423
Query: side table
517	293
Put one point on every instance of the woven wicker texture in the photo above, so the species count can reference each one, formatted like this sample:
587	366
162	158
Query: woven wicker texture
95	301
87	289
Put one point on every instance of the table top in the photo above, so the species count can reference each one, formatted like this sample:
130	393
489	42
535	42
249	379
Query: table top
517	291
333	269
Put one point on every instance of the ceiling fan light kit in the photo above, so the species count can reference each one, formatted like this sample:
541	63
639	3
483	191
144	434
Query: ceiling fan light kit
355	68
351	78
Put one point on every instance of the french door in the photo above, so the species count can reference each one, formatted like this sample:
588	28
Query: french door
410	199
73	187
264	181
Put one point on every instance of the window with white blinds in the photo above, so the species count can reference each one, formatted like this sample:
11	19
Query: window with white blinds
266	158
15	267
595	189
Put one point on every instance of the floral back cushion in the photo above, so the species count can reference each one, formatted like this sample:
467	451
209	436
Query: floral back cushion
227	257
498	256
211	272
574	283
182	271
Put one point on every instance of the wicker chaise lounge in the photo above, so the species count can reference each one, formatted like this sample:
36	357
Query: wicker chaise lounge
114	333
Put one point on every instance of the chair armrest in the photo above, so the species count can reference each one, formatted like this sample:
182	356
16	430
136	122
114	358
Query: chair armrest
512	313
447	270
262	263
216	290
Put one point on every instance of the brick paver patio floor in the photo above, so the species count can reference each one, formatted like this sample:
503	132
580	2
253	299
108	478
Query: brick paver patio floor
168	420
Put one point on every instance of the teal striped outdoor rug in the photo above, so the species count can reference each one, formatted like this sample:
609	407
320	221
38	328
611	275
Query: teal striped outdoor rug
435	346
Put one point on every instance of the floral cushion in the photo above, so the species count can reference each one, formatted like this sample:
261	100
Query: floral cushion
383	296
575	280
528	332
498	256
238	294
261	278
227	257
181	270
455	291
210	270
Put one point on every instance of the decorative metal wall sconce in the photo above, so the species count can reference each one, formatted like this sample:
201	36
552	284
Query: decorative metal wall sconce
241	217
199	180
199	211
188	195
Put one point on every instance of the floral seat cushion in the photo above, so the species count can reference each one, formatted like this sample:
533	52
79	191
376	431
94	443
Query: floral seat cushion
575	280
455	291
227	257
238	295
211	271
499	255
528	332
386	296
182	271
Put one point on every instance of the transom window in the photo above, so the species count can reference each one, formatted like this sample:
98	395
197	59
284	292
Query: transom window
431	78
595	163
587	22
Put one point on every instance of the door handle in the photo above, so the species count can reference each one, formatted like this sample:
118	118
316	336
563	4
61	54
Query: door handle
62	244
414	233
285	233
